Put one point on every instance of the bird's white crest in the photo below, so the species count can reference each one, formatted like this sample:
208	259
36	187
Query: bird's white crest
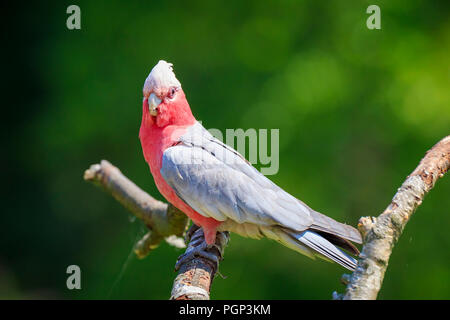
161	76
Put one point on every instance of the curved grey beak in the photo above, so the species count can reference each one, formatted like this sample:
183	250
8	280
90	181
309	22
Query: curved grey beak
153	103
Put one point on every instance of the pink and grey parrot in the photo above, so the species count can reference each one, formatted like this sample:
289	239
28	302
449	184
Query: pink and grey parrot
218	189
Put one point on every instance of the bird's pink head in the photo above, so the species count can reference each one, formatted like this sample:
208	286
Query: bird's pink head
164	101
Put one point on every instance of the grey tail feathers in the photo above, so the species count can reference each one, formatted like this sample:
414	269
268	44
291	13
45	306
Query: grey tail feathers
328	225
340	242
323	248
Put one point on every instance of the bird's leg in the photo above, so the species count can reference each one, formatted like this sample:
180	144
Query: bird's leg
199	248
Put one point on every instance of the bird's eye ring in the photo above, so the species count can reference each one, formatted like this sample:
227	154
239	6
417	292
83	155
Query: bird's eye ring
172	92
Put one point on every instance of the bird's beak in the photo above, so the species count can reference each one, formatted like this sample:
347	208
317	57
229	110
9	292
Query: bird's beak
153	103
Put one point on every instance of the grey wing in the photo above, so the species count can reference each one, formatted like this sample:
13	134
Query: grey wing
218	182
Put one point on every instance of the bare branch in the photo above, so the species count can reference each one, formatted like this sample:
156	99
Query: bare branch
163	220
380	234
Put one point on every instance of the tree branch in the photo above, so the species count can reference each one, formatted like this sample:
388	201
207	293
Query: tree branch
164	222
382	233
197	273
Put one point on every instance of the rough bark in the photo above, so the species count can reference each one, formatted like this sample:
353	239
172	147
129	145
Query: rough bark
164	221
195	276
382	233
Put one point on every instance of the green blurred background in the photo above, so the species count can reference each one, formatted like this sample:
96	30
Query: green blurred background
356	108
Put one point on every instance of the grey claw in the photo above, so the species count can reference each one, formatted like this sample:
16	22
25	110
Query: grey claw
199	251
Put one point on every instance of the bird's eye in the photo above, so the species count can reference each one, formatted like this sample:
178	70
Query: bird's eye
172	92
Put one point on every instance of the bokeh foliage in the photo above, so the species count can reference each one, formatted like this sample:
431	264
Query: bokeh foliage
356	109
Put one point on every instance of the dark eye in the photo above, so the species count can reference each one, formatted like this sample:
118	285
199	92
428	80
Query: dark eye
172	92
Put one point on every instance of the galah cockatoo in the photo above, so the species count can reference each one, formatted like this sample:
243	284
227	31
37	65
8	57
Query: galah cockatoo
218	189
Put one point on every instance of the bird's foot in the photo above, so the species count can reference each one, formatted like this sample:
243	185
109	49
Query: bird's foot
199	248
199	251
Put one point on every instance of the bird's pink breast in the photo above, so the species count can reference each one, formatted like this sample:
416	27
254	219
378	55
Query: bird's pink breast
155	141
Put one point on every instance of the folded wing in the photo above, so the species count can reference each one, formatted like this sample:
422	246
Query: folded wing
218	182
